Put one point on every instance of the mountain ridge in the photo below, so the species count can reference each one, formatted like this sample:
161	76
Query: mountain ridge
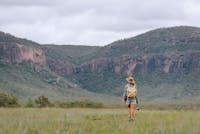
169	55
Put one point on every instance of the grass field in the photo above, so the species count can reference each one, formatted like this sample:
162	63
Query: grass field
96	121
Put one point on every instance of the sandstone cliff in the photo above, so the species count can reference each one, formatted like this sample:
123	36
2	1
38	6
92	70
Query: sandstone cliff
60	67
180	63
16	53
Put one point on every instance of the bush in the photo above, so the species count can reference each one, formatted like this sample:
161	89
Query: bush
7	100
43	101
29	103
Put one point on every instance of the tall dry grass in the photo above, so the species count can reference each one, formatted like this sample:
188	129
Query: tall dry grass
96	121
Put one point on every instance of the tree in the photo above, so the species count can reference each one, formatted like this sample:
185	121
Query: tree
29	103
7	100
43	101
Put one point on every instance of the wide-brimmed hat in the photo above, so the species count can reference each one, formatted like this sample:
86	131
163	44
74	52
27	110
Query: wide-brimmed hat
130	79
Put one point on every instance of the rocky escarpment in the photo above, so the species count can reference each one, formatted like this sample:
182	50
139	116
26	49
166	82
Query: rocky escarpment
61	67
181	63
16	53
159	60
165	50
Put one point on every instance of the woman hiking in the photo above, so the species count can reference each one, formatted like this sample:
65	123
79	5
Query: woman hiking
130	97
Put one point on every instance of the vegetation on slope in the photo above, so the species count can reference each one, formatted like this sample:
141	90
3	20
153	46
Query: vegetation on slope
152	87
25	80
163	40
7	38
159	41
73	54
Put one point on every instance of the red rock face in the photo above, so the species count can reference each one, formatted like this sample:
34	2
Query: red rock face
182	62
131	68
188	62
60	67
16	53
117	69
95	65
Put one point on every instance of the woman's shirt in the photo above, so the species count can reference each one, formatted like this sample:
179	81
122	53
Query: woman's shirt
125	90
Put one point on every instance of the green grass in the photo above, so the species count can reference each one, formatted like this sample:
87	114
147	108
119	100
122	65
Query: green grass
96	121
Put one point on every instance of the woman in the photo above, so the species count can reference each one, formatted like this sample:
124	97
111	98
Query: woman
130	97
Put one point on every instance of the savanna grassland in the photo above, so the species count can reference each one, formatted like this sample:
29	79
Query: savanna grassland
97	121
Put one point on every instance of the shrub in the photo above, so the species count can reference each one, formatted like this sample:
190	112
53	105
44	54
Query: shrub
7	100
29	103
43	101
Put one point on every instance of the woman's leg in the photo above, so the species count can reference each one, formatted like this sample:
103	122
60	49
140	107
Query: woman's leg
132	110
129	111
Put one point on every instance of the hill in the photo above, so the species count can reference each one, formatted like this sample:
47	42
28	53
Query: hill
25	73
28	80
164	62
8	38
162	40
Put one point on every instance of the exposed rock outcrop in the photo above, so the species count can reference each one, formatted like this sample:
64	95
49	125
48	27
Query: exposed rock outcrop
60	67
182	63
16	53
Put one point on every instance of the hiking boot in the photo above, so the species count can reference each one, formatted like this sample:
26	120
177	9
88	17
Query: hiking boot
130	119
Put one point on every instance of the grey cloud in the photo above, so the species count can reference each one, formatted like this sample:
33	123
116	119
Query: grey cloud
27	15
26	2
92	22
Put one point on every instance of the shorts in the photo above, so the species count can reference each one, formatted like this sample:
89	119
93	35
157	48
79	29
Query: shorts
131	101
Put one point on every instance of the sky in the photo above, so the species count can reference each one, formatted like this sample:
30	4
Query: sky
93	22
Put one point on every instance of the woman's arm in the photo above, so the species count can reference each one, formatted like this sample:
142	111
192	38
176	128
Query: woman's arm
137	100
125	93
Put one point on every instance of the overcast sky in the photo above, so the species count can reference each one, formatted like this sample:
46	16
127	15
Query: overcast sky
93	22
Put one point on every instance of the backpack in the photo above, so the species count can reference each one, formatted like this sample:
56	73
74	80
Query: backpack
131	91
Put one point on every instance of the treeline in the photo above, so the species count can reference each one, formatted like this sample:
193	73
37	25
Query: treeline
7	100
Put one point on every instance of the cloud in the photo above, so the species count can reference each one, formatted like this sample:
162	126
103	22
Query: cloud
91	22
27	2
